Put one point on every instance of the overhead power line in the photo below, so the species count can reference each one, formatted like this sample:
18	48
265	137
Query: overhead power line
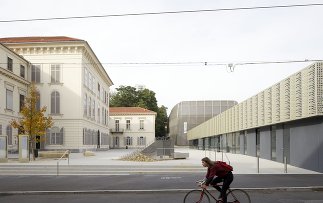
197	63
161	13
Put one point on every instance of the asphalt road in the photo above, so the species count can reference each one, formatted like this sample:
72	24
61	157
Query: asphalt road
157	188
161	197
151	182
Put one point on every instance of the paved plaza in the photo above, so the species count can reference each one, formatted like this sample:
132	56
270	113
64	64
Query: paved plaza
242	164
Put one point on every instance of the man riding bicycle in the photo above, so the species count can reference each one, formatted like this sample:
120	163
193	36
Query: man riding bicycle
218	172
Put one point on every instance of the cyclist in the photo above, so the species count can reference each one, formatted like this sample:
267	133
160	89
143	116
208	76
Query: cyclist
216	173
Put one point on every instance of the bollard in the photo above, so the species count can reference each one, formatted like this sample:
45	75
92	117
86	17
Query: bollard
57	173
285	164
258	163
214	154
222	154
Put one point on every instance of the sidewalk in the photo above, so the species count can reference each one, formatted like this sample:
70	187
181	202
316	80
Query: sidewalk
242	164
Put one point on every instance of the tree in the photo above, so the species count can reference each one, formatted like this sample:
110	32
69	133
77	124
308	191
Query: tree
127	96
33	122
161	122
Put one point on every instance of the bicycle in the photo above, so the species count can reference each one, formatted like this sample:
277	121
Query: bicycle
203	195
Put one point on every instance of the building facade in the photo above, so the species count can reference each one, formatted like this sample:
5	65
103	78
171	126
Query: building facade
14	83
132	127
74	86
283	123
189	114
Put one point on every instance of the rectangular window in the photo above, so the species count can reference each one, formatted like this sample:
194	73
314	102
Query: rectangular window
90	81
55	136
55	73
86	78
99	89
103	117
117	125
93	109
38	101
21	102
99	113
9	63
141	125
93	84
141	141
89	105
35	73
85	105
9	99
128	140
22	71
9	134
128	124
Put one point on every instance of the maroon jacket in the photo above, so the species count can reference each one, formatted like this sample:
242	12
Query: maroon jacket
215	170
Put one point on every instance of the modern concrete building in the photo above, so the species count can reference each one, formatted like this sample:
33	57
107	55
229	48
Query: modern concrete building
189	114
74	86
282	123
14	83
132	127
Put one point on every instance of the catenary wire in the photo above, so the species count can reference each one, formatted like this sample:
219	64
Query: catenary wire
201	63
162	13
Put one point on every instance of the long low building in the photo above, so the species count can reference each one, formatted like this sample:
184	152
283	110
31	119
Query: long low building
282	123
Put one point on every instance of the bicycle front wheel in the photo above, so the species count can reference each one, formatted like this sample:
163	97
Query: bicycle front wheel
238	196
196	196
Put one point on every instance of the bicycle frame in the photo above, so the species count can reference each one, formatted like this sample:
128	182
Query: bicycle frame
208	195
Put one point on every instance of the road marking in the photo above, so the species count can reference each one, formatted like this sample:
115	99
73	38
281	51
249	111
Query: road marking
168	178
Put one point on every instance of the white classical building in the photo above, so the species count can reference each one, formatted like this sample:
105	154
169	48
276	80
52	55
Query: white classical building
14	82
74	86
132	127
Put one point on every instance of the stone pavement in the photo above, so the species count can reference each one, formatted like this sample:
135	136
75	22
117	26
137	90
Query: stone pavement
242	164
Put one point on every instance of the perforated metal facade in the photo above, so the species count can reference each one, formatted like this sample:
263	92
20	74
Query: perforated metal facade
296	97
189	114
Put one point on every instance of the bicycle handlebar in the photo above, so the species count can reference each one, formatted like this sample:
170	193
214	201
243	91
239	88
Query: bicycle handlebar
201	182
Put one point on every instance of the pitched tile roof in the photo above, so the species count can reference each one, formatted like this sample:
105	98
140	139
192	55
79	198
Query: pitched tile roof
37	39
129	110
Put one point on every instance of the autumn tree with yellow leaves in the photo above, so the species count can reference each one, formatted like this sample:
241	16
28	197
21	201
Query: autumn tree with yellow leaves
32	121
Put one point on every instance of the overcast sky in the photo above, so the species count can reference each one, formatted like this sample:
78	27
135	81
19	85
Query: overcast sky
219	37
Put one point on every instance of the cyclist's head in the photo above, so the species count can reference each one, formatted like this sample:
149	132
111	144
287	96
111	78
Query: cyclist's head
206	162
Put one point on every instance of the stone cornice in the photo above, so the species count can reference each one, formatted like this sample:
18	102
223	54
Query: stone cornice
63	49
11	75
37	50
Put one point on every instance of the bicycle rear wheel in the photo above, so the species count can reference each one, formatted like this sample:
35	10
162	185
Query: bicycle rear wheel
196	196
238	196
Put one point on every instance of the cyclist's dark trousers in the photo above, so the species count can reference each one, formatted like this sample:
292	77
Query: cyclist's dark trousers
227	180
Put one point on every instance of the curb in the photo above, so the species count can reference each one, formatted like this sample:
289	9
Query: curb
312	188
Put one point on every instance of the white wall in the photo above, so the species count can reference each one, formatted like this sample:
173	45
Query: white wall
148	132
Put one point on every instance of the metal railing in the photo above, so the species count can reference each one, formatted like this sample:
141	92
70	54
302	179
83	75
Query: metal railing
164	151
68	160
